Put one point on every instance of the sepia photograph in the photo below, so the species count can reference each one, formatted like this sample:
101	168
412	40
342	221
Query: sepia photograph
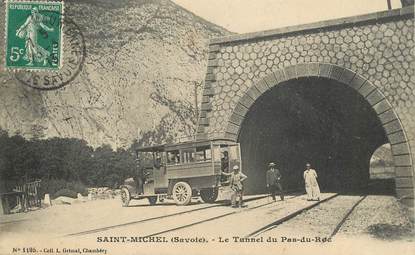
207	127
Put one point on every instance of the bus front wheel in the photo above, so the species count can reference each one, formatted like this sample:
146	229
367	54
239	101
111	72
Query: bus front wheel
125	197
182	193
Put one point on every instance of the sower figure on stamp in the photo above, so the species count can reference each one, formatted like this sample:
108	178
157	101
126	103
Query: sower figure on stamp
274	181
235	181
311	184
29	32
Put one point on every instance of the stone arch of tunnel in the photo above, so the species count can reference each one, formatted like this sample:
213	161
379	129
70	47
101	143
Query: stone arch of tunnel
324	114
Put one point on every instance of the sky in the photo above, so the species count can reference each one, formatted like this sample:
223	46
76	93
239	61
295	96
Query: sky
242	16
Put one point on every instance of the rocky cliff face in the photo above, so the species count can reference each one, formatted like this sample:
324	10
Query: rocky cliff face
144	60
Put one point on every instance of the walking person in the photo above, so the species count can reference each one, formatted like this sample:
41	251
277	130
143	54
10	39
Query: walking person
274	181
236	183
311	184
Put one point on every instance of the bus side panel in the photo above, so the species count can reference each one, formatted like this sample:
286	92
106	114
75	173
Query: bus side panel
148	188
217	166
190	170
160	177
197	183
203	182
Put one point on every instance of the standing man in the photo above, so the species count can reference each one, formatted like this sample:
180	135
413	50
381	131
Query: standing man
139	176
311	184
225	162
274	181
224	166
235	181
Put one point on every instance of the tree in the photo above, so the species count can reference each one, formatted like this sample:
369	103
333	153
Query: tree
62	163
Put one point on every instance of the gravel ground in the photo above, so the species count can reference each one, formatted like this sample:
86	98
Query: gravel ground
161	225
379	224
376	219
246	221
380	217
59	220
318	221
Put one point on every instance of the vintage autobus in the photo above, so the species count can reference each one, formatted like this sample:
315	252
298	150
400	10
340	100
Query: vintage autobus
182	171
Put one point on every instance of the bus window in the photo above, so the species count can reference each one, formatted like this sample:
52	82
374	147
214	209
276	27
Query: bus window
173	157
216	153
158	162
234	152
225	162
208	154
188	156
203	153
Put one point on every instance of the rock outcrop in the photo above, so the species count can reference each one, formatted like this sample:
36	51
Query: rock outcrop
145	62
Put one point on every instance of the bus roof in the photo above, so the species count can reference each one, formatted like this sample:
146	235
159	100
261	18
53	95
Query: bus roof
150	148
187	144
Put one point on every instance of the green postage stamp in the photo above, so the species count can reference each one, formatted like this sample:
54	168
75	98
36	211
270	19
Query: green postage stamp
34	35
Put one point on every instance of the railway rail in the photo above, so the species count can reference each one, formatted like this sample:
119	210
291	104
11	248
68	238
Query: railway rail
346	216
216	205
220	216
347	212
171	223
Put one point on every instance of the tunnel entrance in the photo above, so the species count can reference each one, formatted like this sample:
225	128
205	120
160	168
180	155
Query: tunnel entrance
316	120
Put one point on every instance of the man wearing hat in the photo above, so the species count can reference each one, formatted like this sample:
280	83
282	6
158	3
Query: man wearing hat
274	181
235	182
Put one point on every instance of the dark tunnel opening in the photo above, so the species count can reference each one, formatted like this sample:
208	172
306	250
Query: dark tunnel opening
314	120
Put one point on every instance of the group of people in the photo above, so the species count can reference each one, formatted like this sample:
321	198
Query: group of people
310	179
274	183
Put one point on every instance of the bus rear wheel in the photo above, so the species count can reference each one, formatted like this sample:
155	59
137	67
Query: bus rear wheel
209	195
125	197
182	193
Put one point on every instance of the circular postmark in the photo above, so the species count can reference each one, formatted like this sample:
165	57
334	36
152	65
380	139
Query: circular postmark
73	54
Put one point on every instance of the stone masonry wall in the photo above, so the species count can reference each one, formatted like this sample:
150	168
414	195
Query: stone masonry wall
378	46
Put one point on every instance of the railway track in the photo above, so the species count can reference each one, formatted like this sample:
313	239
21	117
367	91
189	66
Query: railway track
334	226
346	216
189	213
220	216
205	220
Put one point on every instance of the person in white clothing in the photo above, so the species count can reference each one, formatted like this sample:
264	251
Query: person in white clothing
311	184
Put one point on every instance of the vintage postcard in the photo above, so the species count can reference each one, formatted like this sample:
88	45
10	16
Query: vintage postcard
207	127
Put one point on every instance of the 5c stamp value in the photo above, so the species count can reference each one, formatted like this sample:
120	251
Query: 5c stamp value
34	35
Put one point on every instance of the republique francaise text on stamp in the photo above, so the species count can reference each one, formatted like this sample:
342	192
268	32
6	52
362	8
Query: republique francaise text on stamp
45	48
34	35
